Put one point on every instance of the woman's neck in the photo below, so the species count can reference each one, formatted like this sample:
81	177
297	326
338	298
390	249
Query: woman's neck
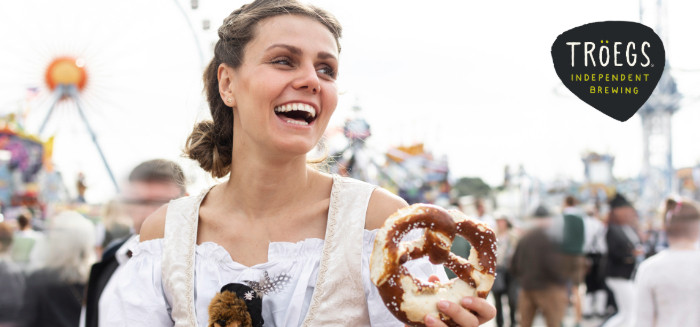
259	186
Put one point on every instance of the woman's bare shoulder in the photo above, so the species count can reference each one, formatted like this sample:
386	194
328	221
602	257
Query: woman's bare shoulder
382	204
154	226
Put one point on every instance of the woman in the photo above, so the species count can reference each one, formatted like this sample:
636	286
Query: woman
301	237
54	294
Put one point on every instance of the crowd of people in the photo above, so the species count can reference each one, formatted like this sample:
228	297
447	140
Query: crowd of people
54	277
604	269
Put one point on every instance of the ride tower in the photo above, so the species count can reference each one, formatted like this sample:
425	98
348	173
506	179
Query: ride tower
657	176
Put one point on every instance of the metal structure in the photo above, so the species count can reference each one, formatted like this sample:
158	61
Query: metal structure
66	77
657	175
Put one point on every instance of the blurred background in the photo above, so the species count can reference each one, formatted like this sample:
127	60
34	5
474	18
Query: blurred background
445	102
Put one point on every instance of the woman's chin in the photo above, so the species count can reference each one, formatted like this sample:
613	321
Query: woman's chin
293	149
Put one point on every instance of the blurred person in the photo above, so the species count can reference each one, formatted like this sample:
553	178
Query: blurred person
595	249
151	184
11	280
668	287
272	90
481	214
624	247
54	293
655	236
505	283
117	223
572	244
25	239
537	267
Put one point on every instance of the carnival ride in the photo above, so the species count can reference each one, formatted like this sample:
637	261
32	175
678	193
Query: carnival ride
409	171
114	83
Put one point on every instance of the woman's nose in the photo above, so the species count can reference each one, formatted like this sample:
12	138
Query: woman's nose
308	80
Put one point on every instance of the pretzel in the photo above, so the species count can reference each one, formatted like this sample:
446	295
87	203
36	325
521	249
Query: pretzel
410	299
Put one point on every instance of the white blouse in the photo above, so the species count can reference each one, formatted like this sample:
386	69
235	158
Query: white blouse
141	301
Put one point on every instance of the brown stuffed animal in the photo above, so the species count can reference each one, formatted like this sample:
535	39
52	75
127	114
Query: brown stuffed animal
227	310
236	305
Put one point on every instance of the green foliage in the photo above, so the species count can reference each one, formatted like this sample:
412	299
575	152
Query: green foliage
472	186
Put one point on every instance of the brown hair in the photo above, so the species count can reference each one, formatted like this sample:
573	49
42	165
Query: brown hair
681	220
23	220
159	170
211	142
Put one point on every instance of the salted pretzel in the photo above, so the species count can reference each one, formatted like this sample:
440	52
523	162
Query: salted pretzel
410	299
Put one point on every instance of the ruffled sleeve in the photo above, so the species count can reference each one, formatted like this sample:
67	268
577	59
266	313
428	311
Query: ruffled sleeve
139	299
379	315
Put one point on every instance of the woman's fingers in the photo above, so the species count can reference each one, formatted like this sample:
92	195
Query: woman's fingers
455	311
473	311
433	279
431	321
483	310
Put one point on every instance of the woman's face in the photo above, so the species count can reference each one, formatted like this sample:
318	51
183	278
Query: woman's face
284	92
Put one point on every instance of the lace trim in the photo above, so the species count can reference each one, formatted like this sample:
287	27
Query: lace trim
193	216
325	256
190	215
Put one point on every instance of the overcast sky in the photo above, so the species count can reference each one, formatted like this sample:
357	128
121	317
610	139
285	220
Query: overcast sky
472	79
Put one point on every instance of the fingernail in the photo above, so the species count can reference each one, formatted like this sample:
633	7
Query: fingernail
467	301
429	319
443	305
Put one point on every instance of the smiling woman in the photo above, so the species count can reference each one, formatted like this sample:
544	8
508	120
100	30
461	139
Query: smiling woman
299	238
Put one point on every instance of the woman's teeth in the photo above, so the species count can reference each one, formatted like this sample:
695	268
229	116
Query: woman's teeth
297	122
309	110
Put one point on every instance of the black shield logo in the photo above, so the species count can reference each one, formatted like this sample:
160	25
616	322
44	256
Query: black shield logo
613	66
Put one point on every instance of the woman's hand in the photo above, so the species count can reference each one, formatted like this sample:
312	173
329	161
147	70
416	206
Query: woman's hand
472	311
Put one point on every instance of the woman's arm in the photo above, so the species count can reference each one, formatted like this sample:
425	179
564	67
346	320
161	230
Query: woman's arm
139	298
154	226
382	204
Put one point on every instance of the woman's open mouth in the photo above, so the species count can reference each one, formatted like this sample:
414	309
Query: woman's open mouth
296	113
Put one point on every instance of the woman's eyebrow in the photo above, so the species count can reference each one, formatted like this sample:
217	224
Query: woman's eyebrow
326	55
296	51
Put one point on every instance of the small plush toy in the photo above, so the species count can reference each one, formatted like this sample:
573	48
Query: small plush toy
237	305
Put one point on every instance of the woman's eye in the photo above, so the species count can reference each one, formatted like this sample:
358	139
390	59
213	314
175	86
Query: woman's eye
282	61
327	70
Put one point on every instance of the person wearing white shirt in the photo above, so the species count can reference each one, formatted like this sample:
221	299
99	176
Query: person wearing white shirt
667	283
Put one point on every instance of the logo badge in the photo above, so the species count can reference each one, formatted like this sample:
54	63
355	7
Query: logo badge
613	66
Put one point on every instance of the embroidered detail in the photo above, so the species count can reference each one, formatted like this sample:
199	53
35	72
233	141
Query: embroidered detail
179	246
330	236
268	285
193	216
248	296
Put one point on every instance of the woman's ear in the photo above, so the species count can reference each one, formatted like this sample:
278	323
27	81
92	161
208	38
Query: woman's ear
225	75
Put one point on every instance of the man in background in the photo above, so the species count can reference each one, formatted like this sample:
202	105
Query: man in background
536	266
668	288
573	260
151	184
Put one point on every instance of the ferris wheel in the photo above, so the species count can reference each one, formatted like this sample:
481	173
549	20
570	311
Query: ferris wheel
115	82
